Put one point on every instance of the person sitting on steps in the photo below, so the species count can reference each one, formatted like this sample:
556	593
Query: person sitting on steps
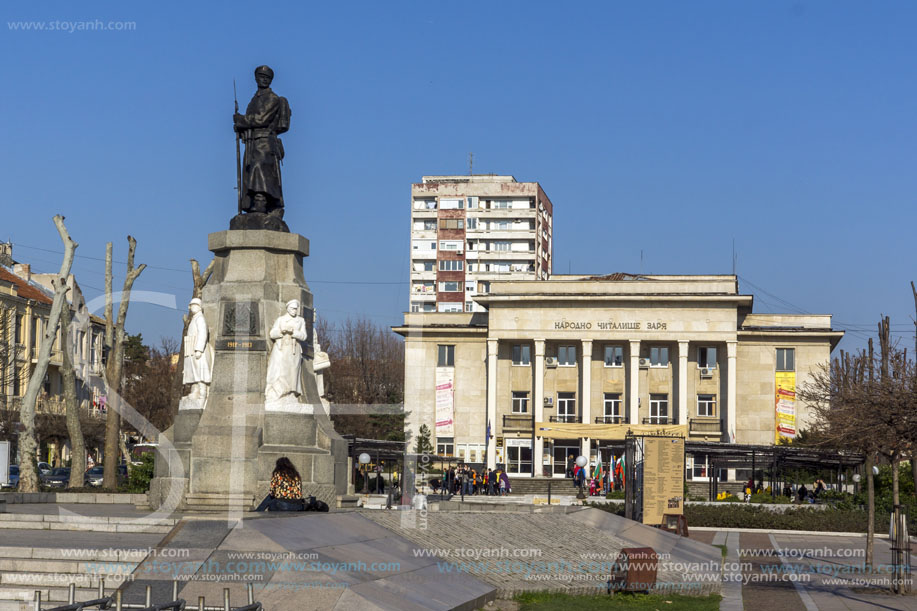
286	488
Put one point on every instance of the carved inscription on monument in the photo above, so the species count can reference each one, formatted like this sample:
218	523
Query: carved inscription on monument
240	318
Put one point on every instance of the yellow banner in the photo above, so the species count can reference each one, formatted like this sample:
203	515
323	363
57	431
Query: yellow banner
571	430
785	405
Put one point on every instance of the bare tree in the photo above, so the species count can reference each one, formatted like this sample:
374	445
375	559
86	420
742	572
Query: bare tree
28	478
114	339
148	385
71	402
366	373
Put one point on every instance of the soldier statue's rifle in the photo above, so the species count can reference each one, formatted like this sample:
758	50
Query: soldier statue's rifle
238	153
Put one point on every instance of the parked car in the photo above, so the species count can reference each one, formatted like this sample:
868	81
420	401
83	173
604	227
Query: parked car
58	478
14	478
44	468
94	475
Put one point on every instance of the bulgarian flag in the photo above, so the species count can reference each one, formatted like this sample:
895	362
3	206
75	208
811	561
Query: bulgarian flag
597	474
619	468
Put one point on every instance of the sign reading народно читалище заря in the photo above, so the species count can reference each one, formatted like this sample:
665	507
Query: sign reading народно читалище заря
610	325
663	478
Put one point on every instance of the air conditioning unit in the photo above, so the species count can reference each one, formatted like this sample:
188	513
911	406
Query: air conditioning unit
644	363
550	361
549	401
706	372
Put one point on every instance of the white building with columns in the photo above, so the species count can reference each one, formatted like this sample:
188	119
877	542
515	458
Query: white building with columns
569	365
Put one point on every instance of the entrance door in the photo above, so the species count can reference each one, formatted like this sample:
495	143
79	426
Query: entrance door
519	457
563	449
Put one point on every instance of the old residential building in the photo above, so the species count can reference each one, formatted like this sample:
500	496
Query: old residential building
567	365
25	305
468	231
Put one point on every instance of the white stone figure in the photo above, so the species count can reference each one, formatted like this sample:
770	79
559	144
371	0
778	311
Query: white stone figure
320	362
198	364
284	381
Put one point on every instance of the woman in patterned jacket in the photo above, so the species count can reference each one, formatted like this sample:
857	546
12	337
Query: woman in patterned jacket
286	488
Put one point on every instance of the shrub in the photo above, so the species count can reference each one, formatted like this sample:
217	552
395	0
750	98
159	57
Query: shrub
141	475
615	494
765	497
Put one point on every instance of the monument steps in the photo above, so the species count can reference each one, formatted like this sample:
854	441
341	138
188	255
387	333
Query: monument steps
23	570
20	521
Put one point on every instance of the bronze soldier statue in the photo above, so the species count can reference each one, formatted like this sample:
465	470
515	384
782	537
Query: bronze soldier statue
267	116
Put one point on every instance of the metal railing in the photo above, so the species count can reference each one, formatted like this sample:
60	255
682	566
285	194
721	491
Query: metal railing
517	421
609	420
564	418
659	420
114	601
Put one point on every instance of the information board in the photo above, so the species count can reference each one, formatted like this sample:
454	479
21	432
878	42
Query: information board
663	478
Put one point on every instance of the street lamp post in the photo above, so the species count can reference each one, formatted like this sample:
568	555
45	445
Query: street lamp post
364	460
581	462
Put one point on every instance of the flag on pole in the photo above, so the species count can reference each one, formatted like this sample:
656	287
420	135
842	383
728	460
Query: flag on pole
597	473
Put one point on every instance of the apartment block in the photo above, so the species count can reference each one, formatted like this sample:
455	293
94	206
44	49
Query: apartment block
468	231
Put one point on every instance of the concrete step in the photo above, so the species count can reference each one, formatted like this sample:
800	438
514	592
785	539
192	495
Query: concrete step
25	521
10	567
57	595
87	555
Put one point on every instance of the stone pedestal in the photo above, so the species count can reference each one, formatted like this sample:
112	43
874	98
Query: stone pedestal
228	449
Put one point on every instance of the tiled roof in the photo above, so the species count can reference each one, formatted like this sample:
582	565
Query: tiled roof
26	289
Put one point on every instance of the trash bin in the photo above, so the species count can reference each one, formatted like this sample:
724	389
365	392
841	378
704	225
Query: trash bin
634	570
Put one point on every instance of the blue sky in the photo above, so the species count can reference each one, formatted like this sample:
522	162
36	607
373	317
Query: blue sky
667	128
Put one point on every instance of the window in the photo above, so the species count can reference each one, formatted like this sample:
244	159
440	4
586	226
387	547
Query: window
786	359
452	223
501	203
484	287
520	402
472	223
500	225
425	204
422	306
522	354
472	202
445	446
445	356
501	246
614	356
706	357
450	306
451	204
428	266
451	265
451	245
566	356
659	409
612	408
450	287
659	356
706	405
469	306
566	407
19	328
429	224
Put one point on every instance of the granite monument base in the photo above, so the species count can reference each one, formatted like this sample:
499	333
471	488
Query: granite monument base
228	448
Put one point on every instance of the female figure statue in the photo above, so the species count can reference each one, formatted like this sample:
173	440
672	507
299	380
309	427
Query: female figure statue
283	367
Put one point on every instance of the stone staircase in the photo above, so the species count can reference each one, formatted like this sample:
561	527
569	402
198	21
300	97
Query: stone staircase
73	553
50	571
539	485
38	521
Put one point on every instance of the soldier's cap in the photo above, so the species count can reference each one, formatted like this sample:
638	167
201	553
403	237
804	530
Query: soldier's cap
196	302
264	70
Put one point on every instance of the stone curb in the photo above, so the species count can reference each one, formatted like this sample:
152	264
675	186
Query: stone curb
790	532
98	498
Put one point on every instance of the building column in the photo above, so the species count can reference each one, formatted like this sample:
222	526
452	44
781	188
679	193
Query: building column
730	422
538	398
633	393
586	394
492	346
682	382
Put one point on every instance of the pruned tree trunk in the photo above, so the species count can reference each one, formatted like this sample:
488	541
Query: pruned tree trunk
71	402
127	456
199	280
870	510
28	477
114	339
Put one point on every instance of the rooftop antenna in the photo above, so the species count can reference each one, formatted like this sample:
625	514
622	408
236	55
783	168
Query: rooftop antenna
641	261
733	256
470	164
